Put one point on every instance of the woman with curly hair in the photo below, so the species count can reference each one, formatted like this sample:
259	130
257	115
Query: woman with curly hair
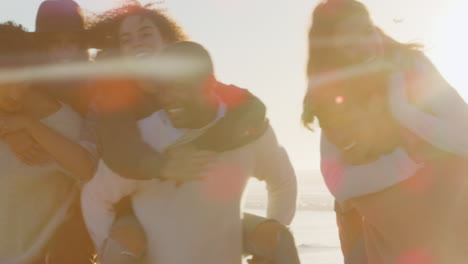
393	141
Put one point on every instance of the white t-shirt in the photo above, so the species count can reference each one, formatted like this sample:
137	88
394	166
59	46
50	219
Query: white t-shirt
200	221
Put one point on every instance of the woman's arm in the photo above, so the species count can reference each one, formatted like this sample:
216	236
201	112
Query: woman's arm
26	149
444	120
69	154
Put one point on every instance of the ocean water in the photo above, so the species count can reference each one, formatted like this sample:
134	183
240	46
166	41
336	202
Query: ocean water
314	225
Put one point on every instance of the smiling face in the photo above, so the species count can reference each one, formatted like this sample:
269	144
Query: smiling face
139	37
357	124
185	101
346	124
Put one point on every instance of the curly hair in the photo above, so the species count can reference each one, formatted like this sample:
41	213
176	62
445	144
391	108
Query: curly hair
16	45
103	28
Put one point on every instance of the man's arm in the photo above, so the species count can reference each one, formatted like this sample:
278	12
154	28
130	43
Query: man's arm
274	167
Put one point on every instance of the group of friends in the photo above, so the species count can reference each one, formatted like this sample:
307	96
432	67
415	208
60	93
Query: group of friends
138	154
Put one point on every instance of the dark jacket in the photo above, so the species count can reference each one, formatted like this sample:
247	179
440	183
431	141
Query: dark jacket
123	149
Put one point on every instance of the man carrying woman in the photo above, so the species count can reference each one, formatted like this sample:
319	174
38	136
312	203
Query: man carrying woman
393	144
142	32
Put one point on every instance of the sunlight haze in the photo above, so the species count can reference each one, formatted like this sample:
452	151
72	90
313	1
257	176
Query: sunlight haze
261	45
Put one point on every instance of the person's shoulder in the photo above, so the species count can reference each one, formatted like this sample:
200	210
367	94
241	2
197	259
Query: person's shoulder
156	117
234	96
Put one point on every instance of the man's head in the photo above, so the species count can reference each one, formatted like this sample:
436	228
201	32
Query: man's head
60	31
185	88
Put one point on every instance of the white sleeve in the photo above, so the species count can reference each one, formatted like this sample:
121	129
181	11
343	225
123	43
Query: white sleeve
88	135
346	181
274	167
446	126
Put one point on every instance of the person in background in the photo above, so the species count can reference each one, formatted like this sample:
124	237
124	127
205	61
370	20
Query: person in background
394	148
40	222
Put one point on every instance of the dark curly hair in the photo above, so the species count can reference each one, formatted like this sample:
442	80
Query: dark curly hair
103	28
16	45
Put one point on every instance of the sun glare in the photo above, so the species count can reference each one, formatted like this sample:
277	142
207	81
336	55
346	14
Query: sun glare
449	45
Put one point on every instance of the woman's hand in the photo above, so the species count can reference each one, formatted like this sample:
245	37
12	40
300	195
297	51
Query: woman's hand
13	123
27	149
259	260
186	163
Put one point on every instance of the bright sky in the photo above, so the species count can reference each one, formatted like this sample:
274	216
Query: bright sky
261	45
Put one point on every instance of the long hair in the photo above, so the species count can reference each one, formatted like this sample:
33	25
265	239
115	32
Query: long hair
103	28
323	57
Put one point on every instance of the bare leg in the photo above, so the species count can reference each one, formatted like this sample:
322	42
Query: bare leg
98	198
126	243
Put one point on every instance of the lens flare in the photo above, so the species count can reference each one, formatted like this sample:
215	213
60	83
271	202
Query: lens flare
339	99
335	174
416	256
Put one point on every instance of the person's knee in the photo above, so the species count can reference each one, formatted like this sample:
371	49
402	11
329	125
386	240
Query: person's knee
286	251
116	253
126	243
269	235
274	243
